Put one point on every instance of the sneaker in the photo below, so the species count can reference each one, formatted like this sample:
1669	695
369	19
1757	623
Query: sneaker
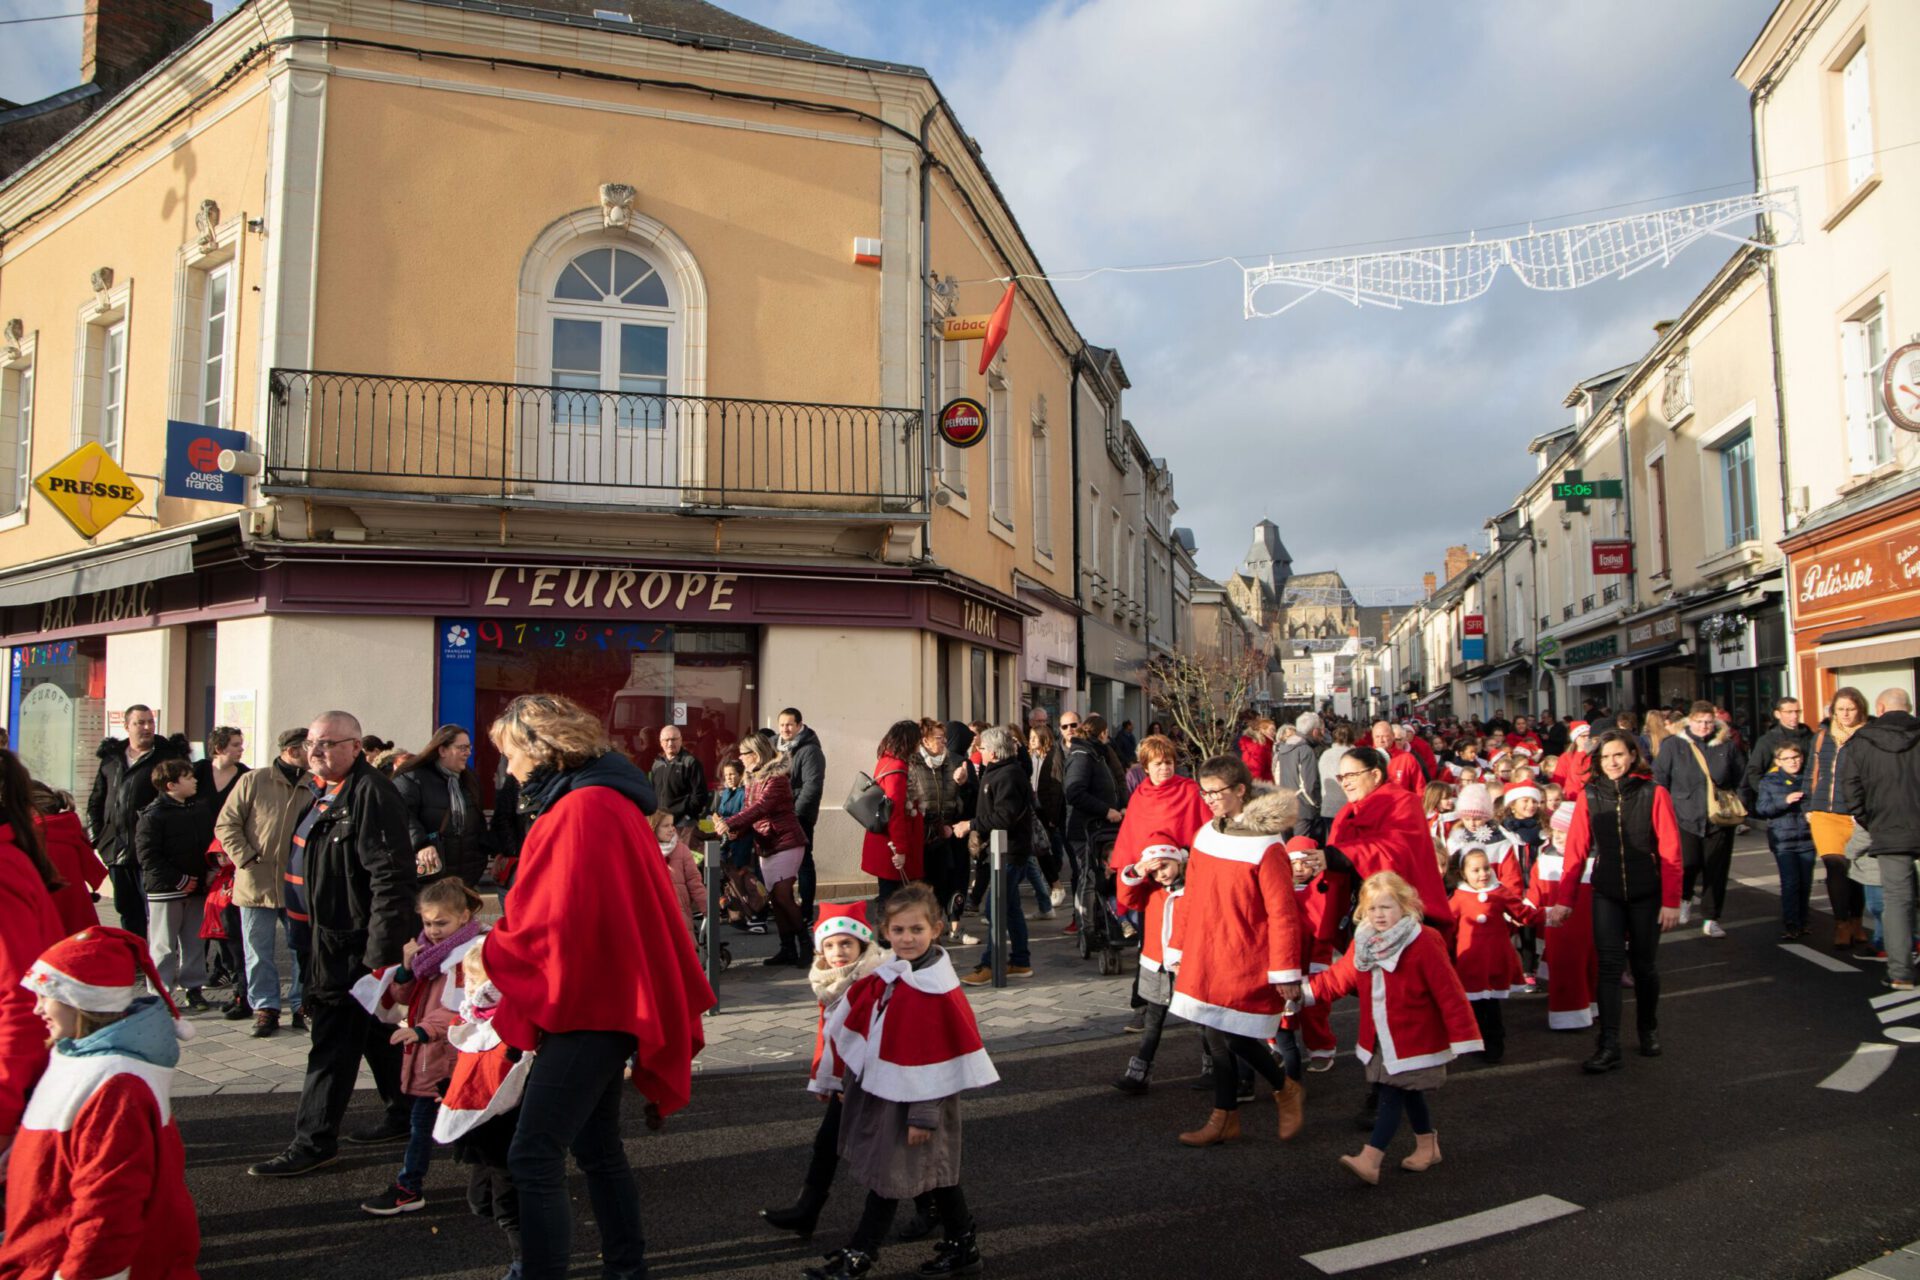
394	1200
195	1001
1320	1064
266	1022
289	1164
1686	910
1059	896
967	940
1019	971
1073	926
1045	913
981	976
1712	929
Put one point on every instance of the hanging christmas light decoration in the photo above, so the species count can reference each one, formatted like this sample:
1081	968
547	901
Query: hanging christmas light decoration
1565	258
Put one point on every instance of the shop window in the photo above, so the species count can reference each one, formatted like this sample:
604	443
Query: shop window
16	430
977	660
206	320
216	348
1863	341
59	711
1739	508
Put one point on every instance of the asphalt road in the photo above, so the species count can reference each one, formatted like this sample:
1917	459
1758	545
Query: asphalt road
1721	1159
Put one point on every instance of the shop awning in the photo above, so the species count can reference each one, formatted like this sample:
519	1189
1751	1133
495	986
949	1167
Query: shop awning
1652	657
1438	694
1598	673
1864	646
126	568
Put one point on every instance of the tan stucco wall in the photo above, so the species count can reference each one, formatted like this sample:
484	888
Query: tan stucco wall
292	664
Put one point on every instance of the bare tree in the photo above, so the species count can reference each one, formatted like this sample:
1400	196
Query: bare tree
1205	695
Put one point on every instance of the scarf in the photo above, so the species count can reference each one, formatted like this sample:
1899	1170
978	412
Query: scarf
456	798
933	762
431	955
1381	950
830	984
1840	733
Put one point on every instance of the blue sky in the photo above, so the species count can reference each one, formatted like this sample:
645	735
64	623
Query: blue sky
1138	131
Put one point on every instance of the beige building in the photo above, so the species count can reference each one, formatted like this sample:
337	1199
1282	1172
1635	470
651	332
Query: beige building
565	352
1834	105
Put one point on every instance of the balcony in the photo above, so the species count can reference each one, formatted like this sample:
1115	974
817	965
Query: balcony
508	444
1610	593
1566	613
1586	604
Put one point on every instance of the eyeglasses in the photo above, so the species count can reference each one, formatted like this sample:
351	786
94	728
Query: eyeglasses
1355	773
323	745
1211	792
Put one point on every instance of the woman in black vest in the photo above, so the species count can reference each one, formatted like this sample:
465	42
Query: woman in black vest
1624	821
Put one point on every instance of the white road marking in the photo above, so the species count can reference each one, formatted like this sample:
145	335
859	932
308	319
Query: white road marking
1817	957
1868	1063
1905	1035
1442	1235
1893	997
1718	986
1899	1013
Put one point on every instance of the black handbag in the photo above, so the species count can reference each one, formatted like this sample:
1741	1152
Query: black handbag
868	805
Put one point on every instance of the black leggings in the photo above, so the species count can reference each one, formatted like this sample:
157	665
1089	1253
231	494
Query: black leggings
876	1219
1394	1100
1846	895
826	1148
1493	1028
1706	859
1623	932
1225	1047
1153	1022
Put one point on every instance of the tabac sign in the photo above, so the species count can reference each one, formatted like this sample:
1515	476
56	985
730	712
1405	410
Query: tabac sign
89	489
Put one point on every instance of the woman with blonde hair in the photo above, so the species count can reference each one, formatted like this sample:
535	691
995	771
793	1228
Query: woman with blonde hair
1829	823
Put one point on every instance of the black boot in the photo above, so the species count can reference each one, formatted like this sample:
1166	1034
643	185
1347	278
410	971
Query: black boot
801	1216
1134	1079
956	1257
1605	1058
1649	1043
785	955
842	1264
925	1218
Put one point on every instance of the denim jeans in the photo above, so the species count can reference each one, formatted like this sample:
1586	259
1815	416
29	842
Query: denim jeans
413	1165
1896	920
263	971
1017	952
1042	896
1796	886
572	1104
1876	907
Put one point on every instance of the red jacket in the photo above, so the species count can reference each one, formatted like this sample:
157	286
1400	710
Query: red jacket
1666	835
1429	763
592	940
1403	771
30	925
1387	831
73	857
905	834
1483	953
769	810
1258	755
1415	1015
1238	927
1174	808
1156	904
1571	771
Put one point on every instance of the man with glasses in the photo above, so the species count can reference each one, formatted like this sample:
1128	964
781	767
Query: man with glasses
1788	730
349	894
121	789
680	781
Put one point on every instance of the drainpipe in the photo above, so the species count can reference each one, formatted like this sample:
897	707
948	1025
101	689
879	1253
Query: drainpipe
1073	467
1791	684
927	354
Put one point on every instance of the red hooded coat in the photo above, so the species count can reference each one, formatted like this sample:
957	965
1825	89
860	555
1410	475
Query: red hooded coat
31	925
1387	831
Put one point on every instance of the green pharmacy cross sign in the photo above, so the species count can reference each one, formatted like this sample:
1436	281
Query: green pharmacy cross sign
1574	491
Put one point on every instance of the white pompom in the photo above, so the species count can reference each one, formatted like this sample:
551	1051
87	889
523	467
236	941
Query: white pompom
1481	918
184	1030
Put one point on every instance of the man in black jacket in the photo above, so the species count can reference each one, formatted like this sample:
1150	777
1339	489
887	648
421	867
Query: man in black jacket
1005	803
121	789
807	771
1787	730
680	780
1879	784
350	885
1093	804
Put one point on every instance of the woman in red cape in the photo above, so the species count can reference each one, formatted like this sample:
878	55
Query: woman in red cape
1165	802
1382	828
595	969
28	883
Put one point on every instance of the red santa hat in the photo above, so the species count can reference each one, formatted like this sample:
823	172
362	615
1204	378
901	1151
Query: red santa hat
843	917
99	970
1161	845
1578	729
1525	791
1300	846
1474	801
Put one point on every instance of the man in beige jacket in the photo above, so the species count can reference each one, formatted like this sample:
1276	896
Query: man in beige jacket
256	829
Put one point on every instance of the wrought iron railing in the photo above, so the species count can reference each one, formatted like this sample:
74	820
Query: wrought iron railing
1610	593
1566	613
502	441
1586	604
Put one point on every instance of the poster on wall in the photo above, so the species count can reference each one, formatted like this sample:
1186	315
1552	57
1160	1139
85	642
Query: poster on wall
238	709
45	736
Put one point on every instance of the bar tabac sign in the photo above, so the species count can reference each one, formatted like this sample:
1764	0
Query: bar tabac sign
89	489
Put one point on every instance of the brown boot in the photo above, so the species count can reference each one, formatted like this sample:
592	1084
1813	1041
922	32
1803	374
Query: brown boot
1291	1103
1426	1153
1221	1126
1366	1165
1844	932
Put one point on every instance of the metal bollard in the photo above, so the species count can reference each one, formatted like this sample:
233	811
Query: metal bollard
996	894
714	914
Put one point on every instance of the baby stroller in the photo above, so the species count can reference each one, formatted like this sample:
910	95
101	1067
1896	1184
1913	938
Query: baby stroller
1103	934
702	927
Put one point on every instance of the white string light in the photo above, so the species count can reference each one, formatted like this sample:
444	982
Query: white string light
1562	259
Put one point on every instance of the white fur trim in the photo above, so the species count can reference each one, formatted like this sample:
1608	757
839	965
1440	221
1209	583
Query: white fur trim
450	1124
1490	994
1317	967
1128	876
1148	963
452	995
1171	852
371	988
1277	976
1261	1026
45	980
896	1083
936	979
832	925
1321	1053
70	1082
1390	1055
1572	1019
473	1037
1250	849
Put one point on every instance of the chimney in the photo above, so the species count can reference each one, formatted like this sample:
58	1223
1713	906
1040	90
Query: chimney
1427	581
124	39
1458	558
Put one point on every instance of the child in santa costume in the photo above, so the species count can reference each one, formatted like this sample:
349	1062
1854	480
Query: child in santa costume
1483	953
481	1108
1325	896
1519	815
423	992
1152	886
1476	829
1571	770
1437	802
844	951
96	1179
905	1043
1414	1017
1569	962
1238	933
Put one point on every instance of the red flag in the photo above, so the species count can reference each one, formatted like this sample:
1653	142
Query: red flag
997	327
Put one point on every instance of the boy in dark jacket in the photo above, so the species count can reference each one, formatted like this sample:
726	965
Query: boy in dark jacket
1781	798
170	839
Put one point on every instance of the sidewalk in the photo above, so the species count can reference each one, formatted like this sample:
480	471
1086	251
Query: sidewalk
1901	1264
766	1020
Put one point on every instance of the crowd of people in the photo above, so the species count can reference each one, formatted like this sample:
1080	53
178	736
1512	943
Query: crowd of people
1433	871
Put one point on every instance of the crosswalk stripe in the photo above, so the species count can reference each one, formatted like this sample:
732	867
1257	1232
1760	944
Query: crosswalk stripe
1868	1063
1898	1013
1893	997
1441	1235
1820	958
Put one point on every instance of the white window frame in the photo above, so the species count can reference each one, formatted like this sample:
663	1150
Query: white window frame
1042	468
1856	118
999	444
100	319
1869	440
221	250
19	391
1659	513
1732	536
216	366
112	428
1114	587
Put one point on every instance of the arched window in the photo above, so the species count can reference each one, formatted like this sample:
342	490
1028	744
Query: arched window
611	322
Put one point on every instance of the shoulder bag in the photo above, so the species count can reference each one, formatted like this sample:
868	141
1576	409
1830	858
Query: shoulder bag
868	805
1723	807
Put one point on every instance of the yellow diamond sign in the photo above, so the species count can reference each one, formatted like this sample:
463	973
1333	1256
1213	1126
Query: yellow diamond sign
89	489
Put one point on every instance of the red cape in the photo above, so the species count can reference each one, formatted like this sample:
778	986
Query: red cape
908	1035
31	927
73	857
592	940
1174	808
1387	831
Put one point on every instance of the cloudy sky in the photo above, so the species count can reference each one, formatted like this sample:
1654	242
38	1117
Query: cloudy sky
1137	131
